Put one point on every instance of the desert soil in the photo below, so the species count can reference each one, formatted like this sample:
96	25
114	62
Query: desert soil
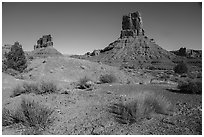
85	112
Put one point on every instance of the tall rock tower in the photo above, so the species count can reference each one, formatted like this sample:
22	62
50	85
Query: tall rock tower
132	25
45	41
133	48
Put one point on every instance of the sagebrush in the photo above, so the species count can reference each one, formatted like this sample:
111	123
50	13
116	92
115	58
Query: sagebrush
84	83
141	106
36	88
33	116
108	78
181	68
8	118
47	87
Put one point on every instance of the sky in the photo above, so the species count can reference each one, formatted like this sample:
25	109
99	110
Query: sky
77	28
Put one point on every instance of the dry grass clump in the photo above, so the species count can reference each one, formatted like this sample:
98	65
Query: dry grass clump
8	118
30	88
84	83
143	105
33	116
47	87
18	90
36	88
108	78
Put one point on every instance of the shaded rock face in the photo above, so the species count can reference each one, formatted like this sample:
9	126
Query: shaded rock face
43	42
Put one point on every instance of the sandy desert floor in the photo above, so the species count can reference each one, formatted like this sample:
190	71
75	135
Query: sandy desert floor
85	112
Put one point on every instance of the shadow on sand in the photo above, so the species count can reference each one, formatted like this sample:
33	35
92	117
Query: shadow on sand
180	91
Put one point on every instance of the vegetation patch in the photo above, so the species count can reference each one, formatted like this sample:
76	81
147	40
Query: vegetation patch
9	118
108	78
84	83
47	87
18	90
31	88
143	105
181	68
15	59
36	88
191	87
35	117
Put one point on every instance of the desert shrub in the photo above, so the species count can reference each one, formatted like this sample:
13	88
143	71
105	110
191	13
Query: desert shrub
36	115
84	83
32	115
107	78
122	113
18	90
15	59
26	88
47	87
31	88
143	105
181	68
36	88
8	118
193	87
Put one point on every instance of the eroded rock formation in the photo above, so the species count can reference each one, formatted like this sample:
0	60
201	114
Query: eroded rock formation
132	25
190	53
44	42
133	48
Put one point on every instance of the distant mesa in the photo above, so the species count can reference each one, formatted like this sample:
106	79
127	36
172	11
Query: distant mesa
45	41
189	53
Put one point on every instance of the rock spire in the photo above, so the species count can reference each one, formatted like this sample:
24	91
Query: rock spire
132	25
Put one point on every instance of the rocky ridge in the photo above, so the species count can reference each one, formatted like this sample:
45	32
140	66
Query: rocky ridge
189	53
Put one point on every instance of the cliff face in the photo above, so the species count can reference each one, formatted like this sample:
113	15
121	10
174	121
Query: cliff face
45	41
132	47
132	25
